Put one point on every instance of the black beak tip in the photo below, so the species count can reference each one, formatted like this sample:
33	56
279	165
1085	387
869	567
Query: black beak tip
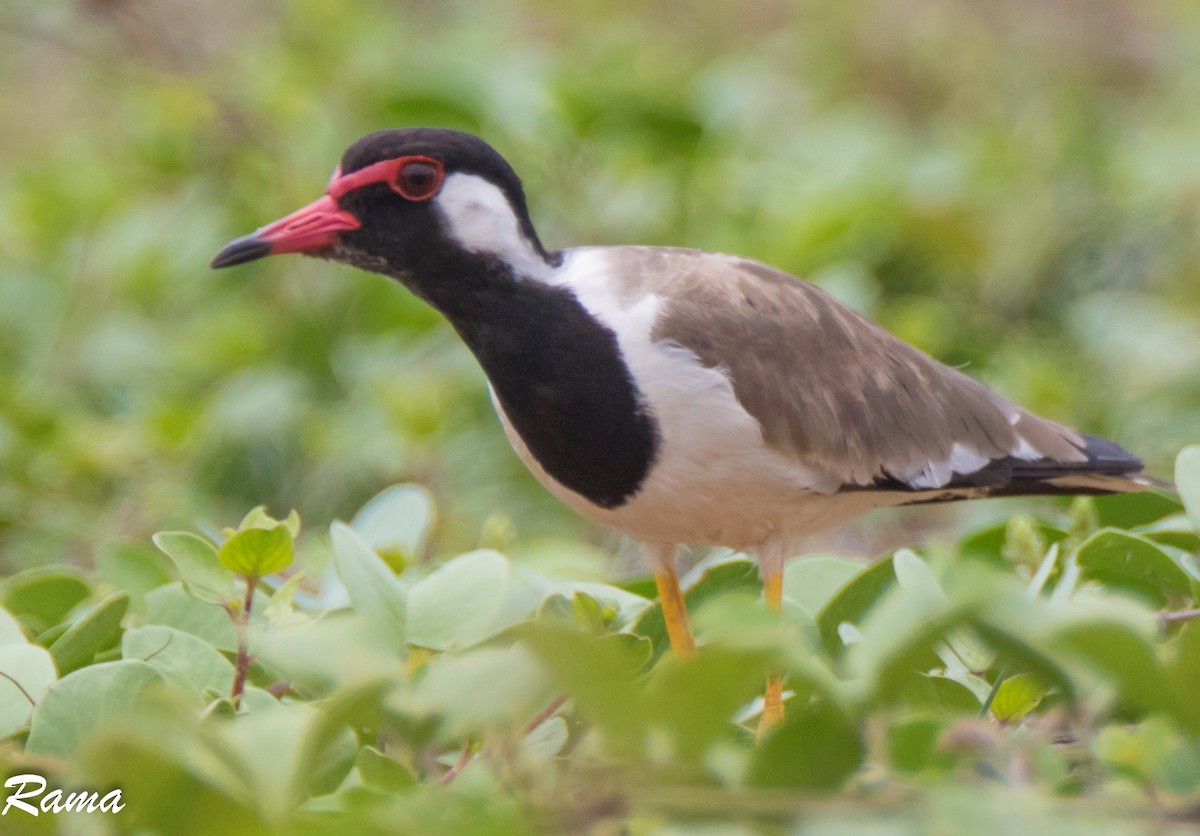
241	250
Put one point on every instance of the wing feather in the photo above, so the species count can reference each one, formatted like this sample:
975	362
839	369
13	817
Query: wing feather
841	394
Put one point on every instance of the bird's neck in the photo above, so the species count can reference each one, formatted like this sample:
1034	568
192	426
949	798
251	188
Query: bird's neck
556	371
480	294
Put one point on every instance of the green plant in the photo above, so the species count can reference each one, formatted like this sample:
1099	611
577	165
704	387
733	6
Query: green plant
481	695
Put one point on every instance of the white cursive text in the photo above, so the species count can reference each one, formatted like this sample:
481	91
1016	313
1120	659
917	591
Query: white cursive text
30	786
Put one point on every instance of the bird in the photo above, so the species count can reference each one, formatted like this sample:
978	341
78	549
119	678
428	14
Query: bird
679	396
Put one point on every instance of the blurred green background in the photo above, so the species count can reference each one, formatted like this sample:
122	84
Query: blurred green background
1014	187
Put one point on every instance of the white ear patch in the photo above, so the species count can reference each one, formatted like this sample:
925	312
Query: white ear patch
480	218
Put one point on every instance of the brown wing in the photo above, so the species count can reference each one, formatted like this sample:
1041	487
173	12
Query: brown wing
843	395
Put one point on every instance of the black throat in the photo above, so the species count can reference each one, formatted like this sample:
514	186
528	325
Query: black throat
556	371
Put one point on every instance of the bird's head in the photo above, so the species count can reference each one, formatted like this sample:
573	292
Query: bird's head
403	199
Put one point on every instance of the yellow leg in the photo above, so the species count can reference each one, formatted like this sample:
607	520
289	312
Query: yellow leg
673	607
772	713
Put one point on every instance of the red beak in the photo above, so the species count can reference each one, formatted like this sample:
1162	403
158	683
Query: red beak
306	230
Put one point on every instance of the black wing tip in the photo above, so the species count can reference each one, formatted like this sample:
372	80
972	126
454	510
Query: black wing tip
1108	457
1113	470
1120	462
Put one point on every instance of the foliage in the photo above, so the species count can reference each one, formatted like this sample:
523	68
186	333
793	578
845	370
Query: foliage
1009	186
477	695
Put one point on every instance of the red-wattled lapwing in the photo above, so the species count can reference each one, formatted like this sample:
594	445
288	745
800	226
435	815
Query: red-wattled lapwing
676	395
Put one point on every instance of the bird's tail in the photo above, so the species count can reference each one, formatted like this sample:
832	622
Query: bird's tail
1107	469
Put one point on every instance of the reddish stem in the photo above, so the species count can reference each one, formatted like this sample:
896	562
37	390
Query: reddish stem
464	757
241	624
1180	615
546	714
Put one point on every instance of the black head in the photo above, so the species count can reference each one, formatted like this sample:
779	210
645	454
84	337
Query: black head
404	199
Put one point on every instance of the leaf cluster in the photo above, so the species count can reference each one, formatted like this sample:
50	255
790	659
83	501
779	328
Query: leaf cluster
479	694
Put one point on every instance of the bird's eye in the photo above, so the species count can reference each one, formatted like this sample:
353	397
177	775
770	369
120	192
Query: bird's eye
419	179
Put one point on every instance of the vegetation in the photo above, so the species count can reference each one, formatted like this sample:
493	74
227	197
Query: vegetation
1010	186
481	695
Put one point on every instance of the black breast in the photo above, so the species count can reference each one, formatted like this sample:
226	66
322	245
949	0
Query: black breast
559	376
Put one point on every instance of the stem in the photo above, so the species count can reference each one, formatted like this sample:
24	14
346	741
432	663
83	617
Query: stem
546	714
1180	615
241	624
19	688
464	757
1043	572
1001	672
1065	587
166	644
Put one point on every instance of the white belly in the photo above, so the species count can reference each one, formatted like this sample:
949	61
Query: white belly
727	493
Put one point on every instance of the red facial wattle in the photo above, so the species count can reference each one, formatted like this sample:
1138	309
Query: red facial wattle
318	225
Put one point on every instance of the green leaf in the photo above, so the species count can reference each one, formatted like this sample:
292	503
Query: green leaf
10	630
281	611
903	633
1126	560
1126	658
1187	481
135	569
1139	752
743	621
1183	671
1003	543
853	601
88	699
591	614
812	582
720	577
916	578
1175	530
397	521
1084	521
170	605
32	668
259	518
694	699
1017	696
514	681
1126	510
1179	771
893	649
925	694
1022	647
171	781
375	592
341	649
43	596
628	606
97	629
199	566
554	557
257	552
599	674
814	749
380	772
985	543
459	603
186	663
290	754
546	741
912	745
